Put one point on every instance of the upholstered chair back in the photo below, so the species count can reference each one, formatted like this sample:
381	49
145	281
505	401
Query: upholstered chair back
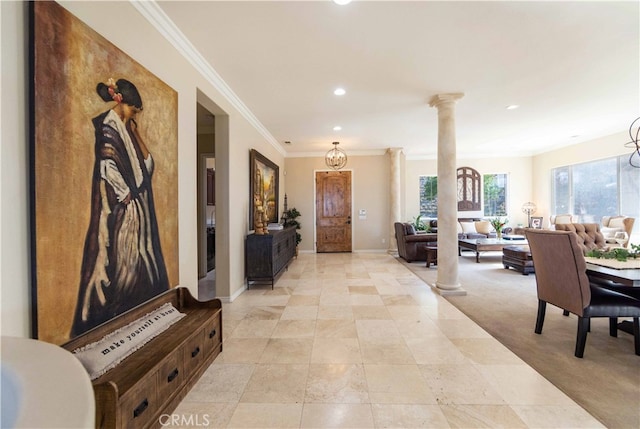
561	271
589	236
613	224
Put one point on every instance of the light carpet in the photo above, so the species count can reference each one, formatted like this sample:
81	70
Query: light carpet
606	382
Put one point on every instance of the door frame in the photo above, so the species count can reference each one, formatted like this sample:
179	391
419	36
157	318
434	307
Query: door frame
315	214
202	213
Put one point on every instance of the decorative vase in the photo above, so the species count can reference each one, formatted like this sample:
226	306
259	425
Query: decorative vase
499	234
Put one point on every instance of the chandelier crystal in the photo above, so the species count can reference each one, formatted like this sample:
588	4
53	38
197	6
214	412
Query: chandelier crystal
335	158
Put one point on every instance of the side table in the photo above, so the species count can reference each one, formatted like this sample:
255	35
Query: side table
432	254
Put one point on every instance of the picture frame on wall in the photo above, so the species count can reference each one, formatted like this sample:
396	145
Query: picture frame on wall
100	168
263	187
536	222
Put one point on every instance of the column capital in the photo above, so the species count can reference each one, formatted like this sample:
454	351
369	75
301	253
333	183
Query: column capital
394	150
447	98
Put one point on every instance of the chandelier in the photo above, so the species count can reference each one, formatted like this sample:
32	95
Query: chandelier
634	158
335	158
529	208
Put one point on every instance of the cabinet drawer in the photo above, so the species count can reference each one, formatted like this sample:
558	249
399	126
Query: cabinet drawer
170	375
212	334
140	403
193	352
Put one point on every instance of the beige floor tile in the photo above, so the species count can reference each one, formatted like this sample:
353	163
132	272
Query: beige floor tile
408	416
311	299
337	416
338	350
522	385
418	328
300	312
379	312
397	384
365	300
333	299
249	415
242	350
276	383
337	383
266	313
461	328
254	328
221	383
386	353
378	331
399	299
450	384
199	414
363	290
434	350
287	350
335	312
486	351
482	416
336	328
294	329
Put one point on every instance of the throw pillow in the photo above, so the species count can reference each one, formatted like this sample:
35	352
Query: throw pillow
468	227
617	222
113	348
560	219
409	229
484	227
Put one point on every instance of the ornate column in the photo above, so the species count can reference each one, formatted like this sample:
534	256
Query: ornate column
447	282
395	211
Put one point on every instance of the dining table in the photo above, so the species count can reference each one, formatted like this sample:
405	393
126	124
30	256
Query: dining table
616	274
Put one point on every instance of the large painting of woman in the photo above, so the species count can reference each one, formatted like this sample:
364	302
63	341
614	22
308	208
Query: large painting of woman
122	262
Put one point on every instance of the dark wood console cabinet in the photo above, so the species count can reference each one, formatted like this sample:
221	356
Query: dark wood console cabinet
267	255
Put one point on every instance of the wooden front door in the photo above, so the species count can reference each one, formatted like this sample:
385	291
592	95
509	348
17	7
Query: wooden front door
333	211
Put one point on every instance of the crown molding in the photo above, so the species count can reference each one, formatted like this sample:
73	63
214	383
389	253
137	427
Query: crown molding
167	28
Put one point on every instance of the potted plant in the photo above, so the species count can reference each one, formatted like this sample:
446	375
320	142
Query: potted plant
419	225
291	219
498	224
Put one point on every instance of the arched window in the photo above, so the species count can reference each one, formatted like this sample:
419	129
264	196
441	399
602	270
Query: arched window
468	189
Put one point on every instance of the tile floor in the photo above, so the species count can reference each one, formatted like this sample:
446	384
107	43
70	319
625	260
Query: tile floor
358	341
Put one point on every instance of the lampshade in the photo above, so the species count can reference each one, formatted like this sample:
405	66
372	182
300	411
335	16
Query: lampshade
529	208
335	158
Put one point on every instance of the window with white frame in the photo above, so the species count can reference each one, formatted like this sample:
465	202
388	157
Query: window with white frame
494	195
591	190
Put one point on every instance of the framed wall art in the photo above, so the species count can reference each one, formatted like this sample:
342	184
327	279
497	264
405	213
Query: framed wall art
104	174
536	222
263	184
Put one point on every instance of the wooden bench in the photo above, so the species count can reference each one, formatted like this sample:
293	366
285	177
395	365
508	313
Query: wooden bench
154	379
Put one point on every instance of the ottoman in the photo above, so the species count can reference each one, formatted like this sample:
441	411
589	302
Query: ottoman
518	258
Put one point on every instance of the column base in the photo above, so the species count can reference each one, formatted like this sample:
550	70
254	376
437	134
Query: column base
448	290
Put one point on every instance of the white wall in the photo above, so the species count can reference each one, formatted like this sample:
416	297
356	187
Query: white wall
143	43
519	191
370	191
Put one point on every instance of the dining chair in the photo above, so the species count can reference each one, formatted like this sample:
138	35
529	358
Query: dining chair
561	280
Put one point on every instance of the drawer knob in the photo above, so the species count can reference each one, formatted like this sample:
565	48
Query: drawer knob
173	375
140	408
212	333
195	352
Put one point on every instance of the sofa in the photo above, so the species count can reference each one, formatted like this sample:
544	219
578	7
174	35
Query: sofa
470	228
412	245
589	235
613	224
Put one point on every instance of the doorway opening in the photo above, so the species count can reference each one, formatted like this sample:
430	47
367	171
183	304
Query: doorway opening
206	204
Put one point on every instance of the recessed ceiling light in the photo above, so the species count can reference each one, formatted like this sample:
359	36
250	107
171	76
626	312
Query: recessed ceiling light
342	2
512	107
339	91
337	128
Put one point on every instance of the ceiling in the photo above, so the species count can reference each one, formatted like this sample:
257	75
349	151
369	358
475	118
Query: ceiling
573	68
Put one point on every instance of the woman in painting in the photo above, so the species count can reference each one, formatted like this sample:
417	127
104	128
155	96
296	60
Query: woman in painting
122	263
